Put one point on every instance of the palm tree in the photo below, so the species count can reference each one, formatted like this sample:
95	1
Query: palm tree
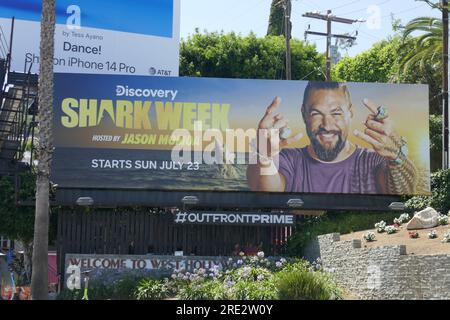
428	45
39	278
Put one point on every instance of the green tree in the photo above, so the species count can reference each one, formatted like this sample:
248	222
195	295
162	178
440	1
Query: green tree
277	18
235	56
428	45
16	222
17	214
39	279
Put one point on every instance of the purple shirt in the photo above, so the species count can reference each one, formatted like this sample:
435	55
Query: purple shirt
356	174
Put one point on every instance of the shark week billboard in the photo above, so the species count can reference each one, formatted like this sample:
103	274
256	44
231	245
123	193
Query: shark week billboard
209	134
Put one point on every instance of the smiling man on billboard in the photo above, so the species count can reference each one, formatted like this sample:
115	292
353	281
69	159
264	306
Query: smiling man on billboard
331	163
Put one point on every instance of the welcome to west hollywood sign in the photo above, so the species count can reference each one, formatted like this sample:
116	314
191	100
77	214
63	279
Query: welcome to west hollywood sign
144	263
76	264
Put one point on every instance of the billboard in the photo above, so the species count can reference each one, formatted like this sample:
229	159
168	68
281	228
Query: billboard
257	136
103	36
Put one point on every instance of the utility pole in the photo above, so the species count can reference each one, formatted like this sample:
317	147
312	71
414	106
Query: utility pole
287	34
445	111
329	18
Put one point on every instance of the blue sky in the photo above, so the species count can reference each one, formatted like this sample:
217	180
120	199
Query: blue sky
243	16
147	17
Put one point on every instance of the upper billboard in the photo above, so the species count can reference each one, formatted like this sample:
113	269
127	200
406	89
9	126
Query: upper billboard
201	134
102	36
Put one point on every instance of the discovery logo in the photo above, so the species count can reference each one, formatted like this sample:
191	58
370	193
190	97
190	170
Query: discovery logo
125	91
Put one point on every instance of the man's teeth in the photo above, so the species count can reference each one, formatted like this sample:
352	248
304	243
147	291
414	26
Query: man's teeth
327	135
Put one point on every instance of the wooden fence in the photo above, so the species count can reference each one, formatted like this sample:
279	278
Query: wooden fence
120	232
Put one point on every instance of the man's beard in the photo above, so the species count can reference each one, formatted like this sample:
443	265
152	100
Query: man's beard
322	153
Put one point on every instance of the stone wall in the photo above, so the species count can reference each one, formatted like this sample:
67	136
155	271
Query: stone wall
384	272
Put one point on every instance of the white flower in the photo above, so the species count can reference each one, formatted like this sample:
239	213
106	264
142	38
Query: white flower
432	234
390	229
239	262
380	226
404	217
278	264
216	267
446	237
370	236
260	277
443	220
260	254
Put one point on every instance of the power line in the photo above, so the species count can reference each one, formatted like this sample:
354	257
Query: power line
364	9
2	49
246	11
346	5
318	68
4	38
400	12
312	5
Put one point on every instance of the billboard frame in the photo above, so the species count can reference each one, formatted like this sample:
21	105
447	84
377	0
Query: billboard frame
110	198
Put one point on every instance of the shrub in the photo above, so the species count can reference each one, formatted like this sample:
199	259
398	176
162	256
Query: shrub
432	234
440	197
206	290
152	289
443	220
255	290
244	283
300	283
341	222
107	286
391	229
402	219
70	295
446	238
380	226
369	237
413	234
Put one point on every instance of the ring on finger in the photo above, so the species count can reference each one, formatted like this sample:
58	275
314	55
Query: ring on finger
382	113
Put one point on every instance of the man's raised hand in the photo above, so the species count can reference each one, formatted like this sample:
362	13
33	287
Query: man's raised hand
379	133
269	131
